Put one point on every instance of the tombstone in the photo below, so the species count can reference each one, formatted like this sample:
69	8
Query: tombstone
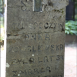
35	38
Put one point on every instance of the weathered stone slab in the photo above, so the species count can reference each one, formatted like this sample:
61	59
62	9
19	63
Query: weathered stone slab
35	40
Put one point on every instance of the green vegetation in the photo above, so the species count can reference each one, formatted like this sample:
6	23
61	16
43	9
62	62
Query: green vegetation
71	27
2	6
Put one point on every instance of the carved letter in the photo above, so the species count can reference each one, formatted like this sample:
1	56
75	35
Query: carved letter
45	59
57	47
48	69
61	47
47	37
29	71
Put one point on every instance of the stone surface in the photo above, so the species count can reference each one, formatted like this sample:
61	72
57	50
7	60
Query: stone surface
35	40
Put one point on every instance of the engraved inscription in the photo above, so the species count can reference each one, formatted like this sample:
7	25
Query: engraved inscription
23	7
54	25
34	71
32	60
39	48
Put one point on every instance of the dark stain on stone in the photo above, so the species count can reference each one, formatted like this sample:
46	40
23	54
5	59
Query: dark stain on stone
11	41
22	28
31	60
8	35
16	34
62	29
50	3
49	70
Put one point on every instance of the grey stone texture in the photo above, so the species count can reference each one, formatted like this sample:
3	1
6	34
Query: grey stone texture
35	39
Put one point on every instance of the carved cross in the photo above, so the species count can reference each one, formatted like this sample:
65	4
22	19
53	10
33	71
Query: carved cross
37	5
